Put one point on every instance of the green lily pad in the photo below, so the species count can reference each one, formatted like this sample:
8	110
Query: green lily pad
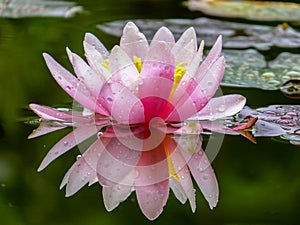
40	8
251	10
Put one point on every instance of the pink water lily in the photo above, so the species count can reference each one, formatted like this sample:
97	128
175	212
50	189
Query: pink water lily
142	102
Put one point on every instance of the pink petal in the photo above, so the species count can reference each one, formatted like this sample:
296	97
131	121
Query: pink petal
187	53
221	107
99	49
83	170
71	85
193	65
159	62
211	58
208	85
178	190
189	36
122	104
95	53
190	148
45	128
133	42
204	177
122	68
93	81
68	142
48	113
114	195
153	166
182	173
165	35
184	106
79	176
157	79
116	162
152	198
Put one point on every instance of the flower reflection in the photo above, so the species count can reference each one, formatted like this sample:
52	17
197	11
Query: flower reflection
143	102
165	164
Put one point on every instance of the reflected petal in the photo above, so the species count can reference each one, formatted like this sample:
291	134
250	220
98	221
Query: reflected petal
68	142
152	198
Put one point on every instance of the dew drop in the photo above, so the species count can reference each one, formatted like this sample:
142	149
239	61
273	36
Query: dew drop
205	177
135	173
221	108
141	81
66	143
209	83
200	169
99	134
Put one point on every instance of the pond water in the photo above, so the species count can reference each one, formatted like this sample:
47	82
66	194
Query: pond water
259	183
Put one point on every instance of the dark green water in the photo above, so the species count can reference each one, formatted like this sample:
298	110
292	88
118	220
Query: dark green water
259	183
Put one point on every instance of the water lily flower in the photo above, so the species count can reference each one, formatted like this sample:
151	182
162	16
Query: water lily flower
142	103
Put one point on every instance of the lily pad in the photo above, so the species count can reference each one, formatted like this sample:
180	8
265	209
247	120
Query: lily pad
276	120
40	8
248	68
251	10
235	35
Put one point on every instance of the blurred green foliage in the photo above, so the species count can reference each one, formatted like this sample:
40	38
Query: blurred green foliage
259	184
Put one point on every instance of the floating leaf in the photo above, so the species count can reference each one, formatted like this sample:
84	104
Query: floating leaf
235	35
251	10
276	120
33	8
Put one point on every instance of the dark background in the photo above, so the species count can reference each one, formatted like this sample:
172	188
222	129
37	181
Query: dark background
259	183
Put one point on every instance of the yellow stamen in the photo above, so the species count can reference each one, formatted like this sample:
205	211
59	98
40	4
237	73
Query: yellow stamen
172	171
180	70
138	63
105	64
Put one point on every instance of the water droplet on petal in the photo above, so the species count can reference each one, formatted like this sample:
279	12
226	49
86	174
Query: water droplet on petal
66	143
205	177
135	173
99	134
210	83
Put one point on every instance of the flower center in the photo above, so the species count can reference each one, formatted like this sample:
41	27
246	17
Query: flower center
180	70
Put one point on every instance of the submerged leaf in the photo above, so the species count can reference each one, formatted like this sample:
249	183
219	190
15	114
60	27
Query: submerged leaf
33	8
235	35
251	10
